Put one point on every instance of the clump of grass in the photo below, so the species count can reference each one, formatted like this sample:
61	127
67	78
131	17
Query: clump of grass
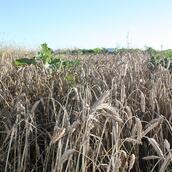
115	116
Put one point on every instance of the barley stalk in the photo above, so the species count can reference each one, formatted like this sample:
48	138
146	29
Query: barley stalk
155	145
131	162
142	103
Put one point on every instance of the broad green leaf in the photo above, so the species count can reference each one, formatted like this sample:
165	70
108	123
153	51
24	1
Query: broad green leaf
24	61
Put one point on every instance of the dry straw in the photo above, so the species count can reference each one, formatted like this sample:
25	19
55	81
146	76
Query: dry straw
142	102
89	122
131	162
155	145
130	115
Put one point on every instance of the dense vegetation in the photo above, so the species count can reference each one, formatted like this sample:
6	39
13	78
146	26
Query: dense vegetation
46	56
109	112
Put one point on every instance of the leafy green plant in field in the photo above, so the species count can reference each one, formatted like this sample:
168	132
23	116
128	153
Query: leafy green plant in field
100	50
46	56
25	61
97	50
70	78
163	58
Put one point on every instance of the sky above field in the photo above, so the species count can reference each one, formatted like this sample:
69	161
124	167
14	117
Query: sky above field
86	23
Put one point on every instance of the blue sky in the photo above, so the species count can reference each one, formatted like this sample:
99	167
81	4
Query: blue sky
86	23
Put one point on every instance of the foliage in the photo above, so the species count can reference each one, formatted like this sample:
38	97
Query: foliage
25	61
85	51
163	58
46	56
97	50
70	78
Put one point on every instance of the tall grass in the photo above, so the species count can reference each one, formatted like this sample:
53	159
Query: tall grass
115	117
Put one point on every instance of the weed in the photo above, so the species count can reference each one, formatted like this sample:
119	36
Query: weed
48	58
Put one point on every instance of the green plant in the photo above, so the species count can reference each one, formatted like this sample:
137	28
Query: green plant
162	58
70	78
97	50
25	61
46	54
47	57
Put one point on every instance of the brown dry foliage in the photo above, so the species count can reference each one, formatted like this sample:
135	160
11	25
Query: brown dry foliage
116	116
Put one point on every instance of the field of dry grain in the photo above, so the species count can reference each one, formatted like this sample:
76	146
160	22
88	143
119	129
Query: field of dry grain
112	114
